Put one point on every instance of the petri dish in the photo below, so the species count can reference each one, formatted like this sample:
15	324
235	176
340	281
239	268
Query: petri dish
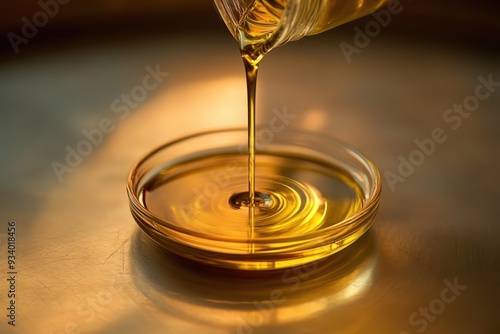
320	195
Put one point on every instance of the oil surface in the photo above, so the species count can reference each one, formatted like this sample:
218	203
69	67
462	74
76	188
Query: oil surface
300	196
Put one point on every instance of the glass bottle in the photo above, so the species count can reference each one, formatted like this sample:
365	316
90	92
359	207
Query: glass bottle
261	25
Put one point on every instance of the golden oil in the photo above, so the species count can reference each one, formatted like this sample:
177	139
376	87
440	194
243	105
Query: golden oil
295	196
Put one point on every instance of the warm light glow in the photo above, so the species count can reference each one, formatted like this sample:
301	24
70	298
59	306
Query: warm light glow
314	119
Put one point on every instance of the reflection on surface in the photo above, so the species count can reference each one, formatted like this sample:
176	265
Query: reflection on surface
233	299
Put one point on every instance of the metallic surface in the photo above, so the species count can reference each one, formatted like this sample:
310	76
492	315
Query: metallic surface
430	263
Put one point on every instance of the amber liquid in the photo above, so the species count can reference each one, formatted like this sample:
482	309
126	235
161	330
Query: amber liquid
297	195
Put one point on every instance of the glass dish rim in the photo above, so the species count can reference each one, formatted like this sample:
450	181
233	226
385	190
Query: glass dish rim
365	212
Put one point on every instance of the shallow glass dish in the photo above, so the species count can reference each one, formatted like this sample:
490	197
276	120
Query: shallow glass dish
179	196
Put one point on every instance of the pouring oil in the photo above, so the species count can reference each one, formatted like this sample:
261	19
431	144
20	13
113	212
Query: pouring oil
278	195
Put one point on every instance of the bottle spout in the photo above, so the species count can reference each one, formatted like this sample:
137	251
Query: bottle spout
256	25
